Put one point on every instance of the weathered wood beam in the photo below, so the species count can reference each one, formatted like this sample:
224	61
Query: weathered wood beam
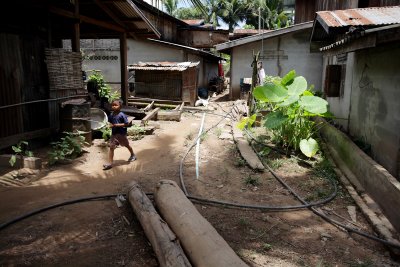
75	40
149	106
149	100
150	116
14	139
201	242
123	48
154	105
68	14
163	241
110	13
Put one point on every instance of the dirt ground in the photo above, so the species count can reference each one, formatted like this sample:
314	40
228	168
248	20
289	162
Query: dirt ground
98	233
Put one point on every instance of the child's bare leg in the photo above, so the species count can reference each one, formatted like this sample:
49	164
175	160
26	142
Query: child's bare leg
111	156
130	150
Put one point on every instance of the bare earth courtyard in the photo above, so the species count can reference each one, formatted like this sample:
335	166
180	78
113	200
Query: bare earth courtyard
98	233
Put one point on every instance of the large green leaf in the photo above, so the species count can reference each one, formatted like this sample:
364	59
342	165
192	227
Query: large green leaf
288	77
308	93
290	100
247	121
12	160
275	119
309	147
270	93
16	149
298	86
314	104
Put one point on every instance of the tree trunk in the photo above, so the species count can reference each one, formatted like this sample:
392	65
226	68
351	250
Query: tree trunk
201	242
164	242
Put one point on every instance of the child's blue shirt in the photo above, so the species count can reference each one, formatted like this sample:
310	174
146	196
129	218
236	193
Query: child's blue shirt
116	119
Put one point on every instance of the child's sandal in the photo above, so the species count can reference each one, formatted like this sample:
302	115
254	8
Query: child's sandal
107	166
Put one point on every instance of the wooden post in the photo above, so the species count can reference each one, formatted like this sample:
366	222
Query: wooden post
201	242
76	41
254	77
124	68
164	242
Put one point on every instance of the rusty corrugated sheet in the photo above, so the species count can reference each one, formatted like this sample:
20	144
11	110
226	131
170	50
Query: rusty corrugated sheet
131	11
194	22
163	66
360	16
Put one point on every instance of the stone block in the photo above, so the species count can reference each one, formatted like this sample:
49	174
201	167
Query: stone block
29	162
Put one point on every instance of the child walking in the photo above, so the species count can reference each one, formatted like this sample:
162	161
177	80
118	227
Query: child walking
118	123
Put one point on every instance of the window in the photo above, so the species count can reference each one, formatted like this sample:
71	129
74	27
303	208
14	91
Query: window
334	80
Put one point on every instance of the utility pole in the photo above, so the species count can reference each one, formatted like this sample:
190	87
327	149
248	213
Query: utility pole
259	20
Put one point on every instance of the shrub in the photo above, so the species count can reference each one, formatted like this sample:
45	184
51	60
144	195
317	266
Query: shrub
293	105
69	147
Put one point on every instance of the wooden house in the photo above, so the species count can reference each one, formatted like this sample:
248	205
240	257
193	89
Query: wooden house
166	80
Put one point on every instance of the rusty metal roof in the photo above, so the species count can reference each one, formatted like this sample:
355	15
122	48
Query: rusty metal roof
194	22
164	66
360	17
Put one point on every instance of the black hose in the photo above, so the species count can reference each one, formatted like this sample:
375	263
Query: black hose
247	206
68	202
310	206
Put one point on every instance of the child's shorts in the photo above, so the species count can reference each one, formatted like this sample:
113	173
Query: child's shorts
118	139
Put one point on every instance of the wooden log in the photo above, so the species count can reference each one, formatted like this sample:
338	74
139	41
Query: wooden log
201	242
155	104
164	242
182	105
157	101
149	106
172	115
150	115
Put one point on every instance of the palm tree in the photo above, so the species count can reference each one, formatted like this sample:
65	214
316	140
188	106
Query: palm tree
271	12
233	12
214	10
171	6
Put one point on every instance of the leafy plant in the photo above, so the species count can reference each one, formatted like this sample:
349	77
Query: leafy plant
20	150
247	122
266	246
69	147
105	133
252	180
96	80
293	106
136	131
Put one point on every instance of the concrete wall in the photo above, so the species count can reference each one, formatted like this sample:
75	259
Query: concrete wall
371	177
281	54
375	105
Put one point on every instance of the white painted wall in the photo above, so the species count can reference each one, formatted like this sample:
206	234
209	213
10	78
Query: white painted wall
375	105
146	51
293	45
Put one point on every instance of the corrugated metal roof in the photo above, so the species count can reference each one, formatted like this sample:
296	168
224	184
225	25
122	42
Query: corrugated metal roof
265	35
352	37
360	16
131	11
188	48
194	22
164	66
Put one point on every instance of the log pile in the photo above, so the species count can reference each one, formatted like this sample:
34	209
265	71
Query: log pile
201	243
